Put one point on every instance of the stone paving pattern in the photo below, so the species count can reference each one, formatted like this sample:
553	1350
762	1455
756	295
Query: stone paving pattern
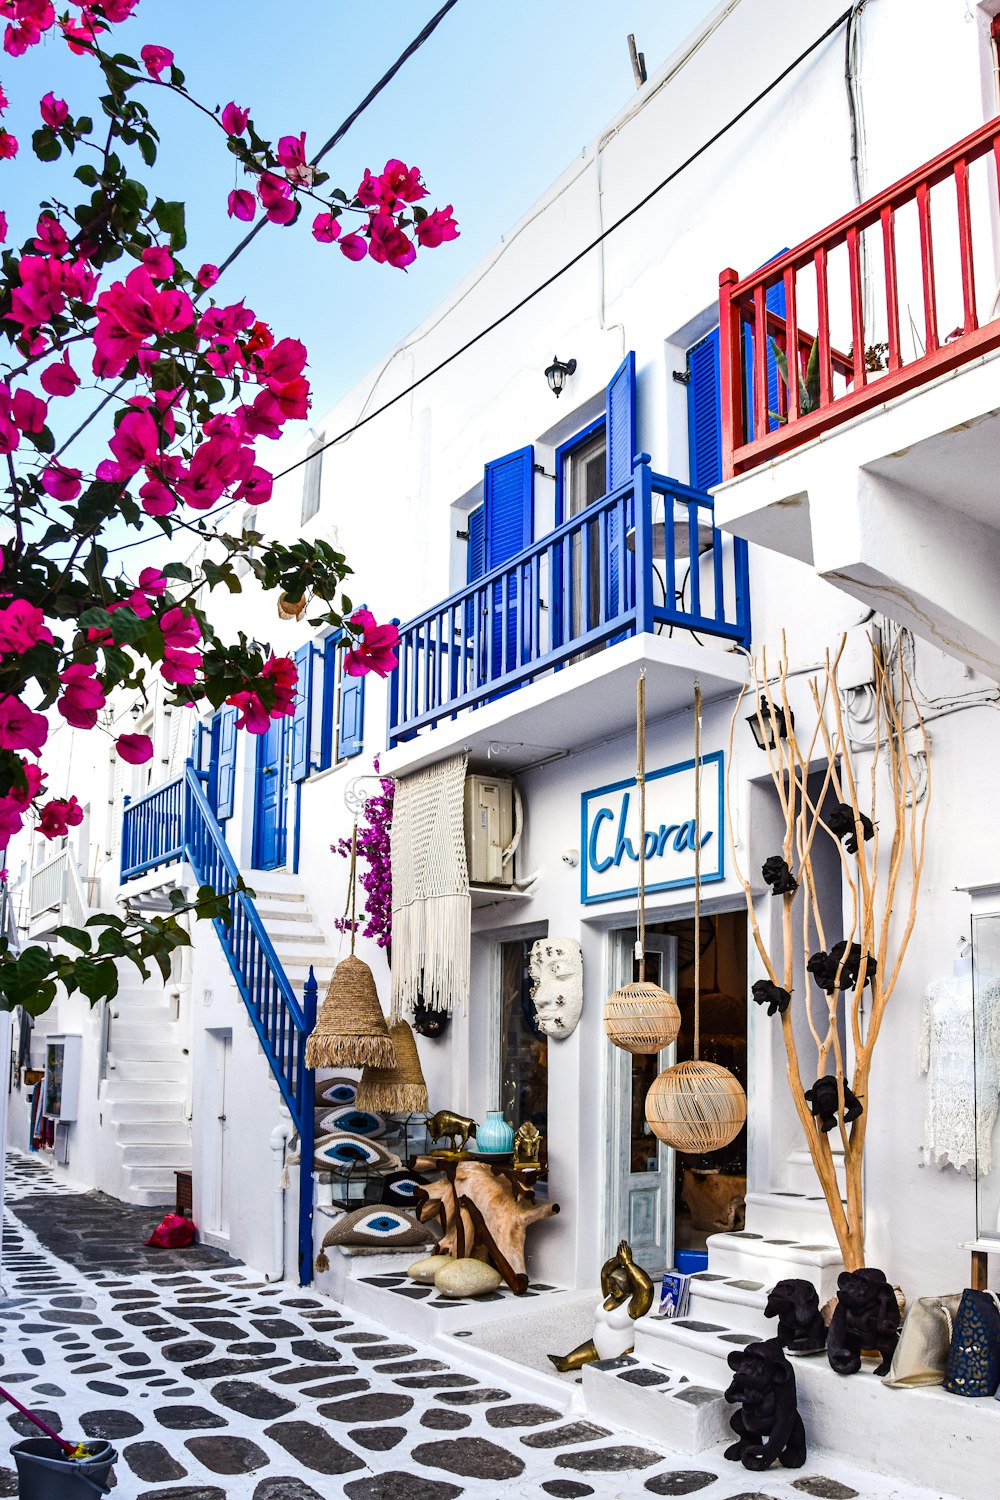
213	1385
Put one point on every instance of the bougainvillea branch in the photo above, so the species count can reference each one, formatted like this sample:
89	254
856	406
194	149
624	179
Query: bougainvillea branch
376	881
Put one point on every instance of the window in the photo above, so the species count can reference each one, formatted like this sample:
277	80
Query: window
328	723
312	479
581	470
249	522
524	1048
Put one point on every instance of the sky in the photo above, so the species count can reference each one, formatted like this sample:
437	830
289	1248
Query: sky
491	108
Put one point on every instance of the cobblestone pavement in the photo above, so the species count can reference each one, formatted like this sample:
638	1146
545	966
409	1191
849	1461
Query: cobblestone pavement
213	1385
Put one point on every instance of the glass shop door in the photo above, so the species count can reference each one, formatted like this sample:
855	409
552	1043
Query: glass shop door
642	1171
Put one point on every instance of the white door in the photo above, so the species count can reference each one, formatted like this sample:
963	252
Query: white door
218	1161
642	1170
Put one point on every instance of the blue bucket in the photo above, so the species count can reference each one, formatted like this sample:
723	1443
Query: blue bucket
690	1261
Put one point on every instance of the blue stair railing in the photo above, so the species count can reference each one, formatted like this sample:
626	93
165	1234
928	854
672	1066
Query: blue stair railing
175	822
647	557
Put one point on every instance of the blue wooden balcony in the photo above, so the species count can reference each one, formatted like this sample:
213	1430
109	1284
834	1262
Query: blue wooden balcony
646	558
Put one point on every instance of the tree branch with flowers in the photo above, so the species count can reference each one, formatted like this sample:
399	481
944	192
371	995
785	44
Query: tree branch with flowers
190	385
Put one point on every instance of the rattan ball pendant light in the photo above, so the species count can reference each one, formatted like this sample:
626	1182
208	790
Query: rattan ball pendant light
351	1031
641	1017
696	1106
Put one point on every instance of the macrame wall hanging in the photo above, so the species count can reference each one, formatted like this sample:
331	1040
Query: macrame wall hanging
431	905
351	1031
696	1106
641	1017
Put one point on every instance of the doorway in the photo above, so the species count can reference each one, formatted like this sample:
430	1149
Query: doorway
270	821
219	1081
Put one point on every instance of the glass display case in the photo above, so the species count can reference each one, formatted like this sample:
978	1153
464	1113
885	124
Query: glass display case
985	1046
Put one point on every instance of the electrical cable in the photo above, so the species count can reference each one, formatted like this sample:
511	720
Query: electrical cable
567	266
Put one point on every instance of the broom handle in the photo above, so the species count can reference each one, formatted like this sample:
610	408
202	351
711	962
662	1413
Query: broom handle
66	1447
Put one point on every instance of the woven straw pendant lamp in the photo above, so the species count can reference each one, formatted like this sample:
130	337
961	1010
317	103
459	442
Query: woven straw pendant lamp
696	1106
400	1089
351	1031
641	1017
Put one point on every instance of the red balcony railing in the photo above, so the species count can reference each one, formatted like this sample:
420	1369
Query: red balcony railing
887	281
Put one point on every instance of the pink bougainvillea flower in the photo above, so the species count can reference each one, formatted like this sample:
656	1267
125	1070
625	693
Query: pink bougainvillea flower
135	748
135	443
376	649
292	150
79	38
274	194
61	482
387	242
208	274
59	816
256	487
158	262
4	101
28	411
22	625
50	237
152	581
156	59
3	226
354	247
400	181
326	228
234	119
82	696
253	716
20	728
8	145
55	112
129	313
436	228
59	379
284	674
179	628
242	205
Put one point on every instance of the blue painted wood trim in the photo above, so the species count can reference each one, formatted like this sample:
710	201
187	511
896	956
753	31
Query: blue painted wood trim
563	452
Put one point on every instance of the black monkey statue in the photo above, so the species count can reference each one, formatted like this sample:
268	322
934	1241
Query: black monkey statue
767	1425
824	1103
866	1317
772	995
795	1304
778	876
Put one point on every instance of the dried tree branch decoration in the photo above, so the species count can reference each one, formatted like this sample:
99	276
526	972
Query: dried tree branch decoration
857	977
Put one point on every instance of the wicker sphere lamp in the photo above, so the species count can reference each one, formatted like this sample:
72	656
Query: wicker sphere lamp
696	1106
641	1017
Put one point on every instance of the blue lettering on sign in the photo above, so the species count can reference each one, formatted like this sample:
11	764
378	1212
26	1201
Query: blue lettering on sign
683	835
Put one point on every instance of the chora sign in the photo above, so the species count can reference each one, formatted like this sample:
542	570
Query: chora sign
609	862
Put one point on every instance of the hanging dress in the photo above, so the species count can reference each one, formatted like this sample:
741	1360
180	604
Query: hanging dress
954	1116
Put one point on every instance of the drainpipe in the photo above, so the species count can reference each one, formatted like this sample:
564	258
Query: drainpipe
280	1136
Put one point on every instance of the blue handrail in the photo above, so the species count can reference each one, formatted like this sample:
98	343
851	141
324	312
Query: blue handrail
175	822
585	584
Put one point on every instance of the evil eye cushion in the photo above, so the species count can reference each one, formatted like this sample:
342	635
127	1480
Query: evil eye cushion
399	1189
379	1227
339	1090
342	1149
349	1117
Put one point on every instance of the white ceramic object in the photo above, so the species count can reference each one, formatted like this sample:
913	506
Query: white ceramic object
556	970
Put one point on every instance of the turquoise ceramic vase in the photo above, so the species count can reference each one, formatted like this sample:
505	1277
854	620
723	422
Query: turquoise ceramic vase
494	1136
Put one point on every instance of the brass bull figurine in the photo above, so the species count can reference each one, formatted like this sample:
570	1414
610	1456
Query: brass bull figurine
456	1129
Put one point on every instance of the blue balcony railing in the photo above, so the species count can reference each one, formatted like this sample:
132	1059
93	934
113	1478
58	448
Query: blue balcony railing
175	822
646	558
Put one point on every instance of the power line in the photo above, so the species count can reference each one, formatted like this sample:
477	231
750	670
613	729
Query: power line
549	280
338	135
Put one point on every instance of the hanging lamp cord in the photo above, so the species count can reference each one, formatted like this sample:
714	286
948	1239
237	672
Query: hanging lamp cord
350	909
697	869
640	779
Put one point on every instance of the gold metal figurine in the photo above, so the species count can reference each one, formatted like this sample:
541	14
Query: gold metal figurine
622	1281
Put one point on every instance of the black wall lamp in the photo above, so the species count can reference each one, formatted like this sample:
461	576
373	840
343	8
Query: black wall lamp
769	726
557	373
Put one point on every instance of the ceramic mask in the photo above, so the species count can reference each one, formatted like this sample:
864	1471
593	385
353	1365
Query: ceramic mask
556	970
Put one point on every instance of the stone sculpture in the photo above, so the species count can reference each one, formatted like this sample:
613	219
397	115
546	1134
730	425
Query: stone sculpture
556	971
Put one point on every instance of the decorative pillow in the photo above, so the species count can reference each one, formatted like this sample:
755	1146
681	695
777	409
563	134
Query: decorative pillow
377	1226
349	1117
343	1149
399	1189
339	1090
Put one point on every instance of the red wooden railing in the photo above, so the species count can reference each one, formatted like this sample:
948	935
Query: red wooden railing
847	384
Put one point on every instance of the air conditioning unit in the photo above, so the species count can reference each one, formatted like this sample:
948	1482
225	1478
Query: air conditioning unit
489	829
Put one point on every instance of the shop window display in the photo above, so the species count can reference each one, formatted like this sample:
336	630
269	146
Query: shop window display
983	1039
524	1050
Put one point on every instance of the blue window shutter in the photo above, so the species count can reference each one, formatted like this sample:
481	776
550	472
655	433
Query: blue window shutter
704	414
302	717
509	492
330	649
620	408
225	781
350	731
475	561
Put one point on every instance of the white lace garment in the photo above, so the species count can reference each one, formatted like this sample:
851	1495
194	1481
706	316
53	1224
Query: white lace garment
954	1115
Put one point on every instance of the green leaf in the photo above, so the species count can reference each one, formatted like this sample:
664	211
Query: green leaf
86	174
45	144
169	217
147	149
76	936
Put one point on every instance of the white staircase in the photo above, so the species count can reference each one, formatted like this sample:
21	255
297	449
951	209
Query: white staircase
145	1092
295	934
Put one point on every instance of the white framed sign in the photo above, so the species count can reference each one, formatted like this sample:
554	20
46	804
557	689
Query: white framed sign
609	852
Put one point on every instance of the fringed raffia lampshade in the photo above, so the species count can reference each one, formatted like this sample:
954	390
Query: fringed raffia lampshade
696	1106
351	1030
641	1018
401	1089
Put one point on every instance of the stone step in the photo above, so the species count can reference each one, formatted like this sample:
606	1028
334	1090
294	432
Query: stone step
160	1179
162	1196
273	884
284	936
694	1347
133	1070
678	1414
126	1111
799	1175
129	1030
125	1049
165	1156
162	1090
737	1302
160	1134
745	1255
792	1216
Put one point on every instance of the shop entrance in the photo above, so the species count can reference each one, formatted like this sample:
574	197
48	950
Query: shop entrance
659	1199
